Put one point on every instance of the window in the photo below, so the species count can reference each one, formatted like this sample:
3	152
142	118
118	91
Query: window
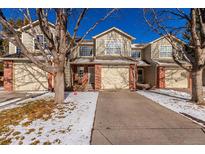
113	47
86	51
165	51
140	75
18	50
136	54
80	71
42	40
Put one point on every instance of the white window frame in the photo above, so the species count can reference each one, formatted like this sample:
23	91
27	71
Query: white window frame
142	74
34	42
115	54
86	46
164	52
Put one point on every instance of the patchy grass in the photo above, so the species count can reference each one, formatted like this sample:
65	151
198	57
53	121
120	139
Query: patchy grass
31	111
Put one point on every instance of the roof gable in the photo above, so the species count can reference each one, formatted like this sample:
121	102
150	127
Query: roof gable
114	29
158	39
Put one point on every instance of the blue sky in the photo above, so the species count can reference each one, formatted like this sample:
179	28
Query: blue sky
130	21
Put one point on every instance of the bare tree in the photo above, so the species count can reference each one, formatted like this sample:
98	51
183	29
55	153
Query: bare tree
60	42
191	27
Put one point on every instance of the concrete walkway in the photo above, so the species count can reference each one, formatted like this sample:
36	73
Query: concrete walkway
129	118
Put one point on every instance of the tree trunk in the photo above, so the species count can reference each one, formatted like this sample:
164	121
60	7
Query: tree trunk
59	86
197	89
67	76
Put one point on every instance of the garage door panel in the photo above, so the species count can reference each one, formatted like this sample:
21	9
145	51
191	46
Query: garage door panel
115	78
29	77
176	78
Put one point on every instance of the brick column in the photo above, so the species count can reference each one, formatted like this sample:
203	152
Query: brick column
132	82
97	77
160	77
50	82
8	75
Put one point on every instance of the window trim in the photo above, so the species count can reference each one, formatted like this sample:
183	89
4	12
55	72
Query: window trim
165	46
106	53
85	56
34	43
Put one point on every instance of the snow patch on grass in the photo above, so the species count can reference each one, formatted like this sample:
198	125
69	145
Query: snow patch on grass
70	123
176	101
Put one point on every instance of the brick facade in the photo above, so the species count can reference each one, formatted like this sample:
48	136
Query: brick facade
50	82
160	77
97	77
8	75
132	82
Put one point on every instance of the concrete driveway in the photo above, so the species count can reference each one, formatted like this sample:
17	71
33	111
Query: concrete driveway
129	118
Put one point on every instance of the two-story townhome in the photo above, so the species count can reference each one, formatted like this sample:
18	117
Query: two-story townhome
109	61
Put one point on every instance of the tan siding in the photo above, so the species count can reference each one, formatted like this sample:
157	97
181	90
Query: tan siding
100	43
115	77
27	77
12	48
146	54
28	40
155	48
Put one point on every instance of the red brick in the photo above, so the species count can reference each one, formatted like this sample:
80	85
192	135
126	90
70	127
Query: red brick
50	82
8	75
161	77
132	82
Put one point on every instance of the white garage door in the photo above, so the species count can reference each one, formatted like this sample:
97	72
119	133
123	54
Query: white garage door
29	77
176	78
115	77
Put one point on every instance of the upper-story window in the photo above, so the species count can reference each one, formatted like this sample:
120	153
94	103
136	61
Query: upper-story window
136	54
86	51
113	47
18	50
41	40
165	51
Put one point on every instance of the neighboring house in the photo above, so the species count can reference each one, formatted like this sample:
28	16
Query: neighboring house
164	72
109	61
20	74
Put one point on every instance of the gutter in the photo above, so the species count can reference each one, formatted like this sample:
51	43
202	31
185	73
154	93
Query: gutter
2	59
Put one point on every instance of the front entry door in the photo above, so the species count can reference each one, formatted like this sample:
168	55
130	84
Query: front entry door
91	77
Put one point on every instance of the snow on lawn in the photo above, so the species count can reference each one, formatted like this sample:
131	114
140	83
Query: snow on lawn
176	101
70	123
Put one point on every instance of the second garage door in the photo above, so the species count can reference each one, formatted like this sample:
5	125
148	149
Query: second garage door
176	78
115	77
